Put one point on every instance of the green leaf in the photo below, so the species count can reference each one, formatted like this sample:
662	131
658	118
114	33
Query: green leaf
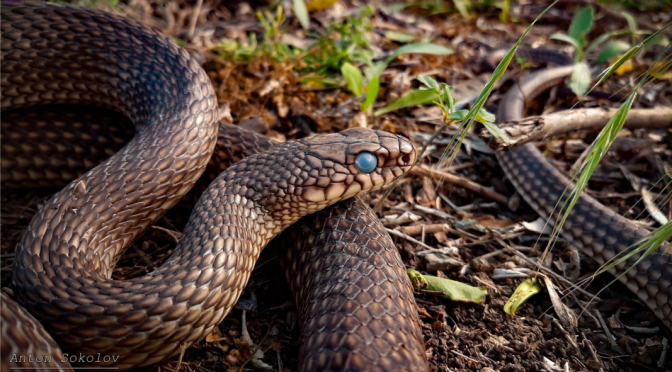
319	4
446	96
484	116
454	291
354	78
422	48
525	290
629	54
301	13
399	36
600	39
459	115
374	70
661	40
317	82
412	98
494	129
567	39
396	7
462	7
429	82
580	79
612	50
371	93
581	24
632	24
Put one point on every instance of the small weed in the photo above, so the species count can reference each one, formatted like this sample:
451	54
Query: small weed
581	25
343	41
272	44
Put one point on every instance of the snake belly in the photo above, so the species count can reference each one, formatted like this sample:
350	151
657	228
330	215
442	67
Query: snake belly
591	227
53	54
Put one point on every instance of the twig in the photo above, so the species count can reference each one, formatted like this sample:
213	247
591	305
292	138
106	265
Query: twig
433	212
423	170
410	239
538	127
663	353
569	338
183	348
194	18
610	337
429	229
417	163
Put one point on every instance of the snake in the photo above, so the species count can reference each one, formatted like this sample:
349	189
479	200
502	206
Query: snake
114	74
591	227
61	286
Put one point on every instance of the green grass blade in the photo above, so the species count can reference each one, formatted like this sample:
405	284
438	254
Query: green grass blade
480	101
371	93
628	55
412	98
421	48
301	13
354	79
599	148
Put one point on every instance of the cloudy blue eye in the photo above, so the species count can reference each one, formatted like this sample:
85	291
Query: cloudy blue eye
366	162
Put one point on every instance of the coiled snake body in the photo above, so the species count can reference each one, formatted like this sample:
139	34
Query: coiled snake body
53	54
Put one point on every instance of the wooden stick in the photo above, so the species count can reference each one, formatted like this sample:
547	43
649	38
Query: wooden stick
454	179
534	128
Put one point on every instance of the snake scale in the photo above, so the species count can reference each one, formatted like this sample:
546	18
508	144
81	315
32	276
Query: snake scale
54	54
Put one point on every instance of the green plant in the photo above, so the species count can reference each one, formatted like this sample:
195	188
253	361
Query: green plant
599	148
606	137
373	71
576	36
301	13
578	30
272	44
504	15
472	114
343	41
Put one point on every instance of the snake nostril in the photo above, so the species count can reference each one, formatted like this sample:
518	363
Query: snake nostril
406	159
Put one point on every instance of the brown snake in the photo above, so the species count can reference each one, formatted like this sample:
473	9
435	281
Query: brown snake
86	312
53	54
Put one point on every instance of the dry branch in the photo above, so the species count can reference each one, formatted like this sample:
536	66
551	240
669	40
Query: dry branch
453	179
537	127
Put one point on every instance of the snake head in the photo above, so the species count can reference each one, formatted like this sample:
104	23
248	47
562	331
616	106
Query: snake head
296	178
355	161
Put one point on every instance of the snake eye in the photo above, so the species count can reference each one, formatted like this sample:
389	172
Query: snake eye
366	162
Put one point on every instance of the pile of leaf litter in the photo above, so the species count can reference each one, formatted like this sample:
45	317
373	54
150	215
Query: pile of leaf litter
463	222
